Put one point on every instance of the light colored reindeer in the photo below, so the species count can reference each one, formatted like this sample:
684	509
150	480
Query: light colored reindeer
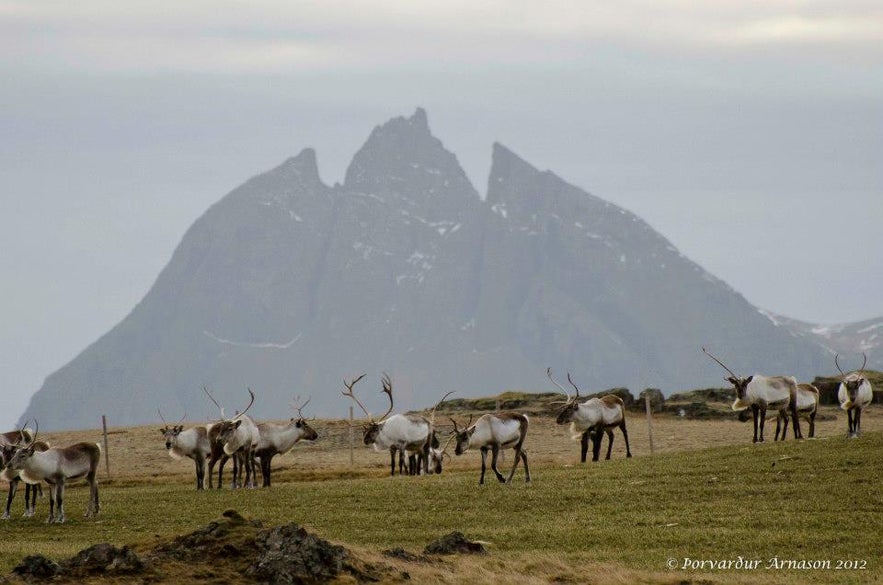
276	439
502	430
9	443
398	433
854	393
193	444
56	466
239	435
761	393
591	418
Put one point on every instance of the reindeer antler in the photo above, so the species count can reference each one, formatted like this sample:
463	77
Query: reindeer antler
563	389
350	386
574	386
300	408
864	362
432	414
387	389
250	402
721	363
212	398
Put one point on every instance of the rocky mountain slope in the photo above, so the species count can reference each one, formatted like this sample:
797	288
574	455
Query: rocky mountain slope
288	285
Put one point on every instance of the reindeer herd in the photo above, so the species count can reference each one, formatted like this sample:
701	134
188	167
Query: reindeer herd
413	439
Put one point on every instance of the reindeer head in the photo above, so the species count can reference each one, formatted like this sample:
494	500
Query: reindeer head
170	434
462	436
854	380
738	382
22	452
307	432
571	404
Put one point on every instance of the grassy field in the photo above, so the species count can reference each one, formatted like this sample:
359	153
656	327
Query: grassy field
707	493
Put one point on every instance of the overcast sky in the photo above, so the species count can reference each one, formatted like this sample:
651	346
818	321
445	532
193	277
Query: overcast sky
749	133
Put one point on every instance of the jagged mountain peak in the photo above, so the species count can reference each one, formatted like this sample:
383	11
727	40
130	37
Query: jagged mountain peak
303	166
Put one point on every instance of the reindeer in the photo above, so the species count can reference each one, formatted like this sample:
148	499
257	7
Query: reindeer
9	442
55	466
239	435
218	456
279	439
503	430
591	418
398	433
761	393
807	407
854	393
192	443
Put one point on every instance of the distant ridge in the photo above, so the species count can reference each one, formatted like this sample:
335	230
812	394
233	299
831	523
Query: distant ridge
287	285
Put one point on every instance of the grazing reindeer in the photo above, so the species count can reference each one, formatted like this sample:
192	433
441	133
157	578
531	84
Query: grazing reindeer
503	430
855	393
398	433
9	443
239	435
56	465
192	443
761	393
592	418
279	439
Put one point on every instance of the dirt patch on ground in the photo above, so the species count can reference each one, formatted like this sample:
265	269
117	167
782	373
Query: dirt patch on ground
231	549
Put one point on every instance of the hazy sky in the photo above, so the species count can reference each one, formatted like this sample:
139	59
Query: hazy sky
749	133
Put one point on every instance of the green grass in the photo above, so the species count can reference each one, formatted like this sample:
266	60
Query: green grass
818	499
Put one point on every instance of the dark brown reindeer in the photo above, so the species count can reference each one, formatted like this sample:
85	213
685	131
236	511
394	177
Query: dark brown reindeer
56	466
591	418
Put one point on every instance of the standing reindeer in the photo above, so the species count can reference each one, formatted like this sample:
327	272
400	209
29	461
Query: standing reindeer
398	433
503	430
239	435
854	393
279	439
55	466
192	443
807	407
9	443
592	418
760	393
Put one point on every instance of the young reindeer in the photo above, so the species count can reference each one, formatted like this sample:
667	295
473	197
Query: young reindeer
9	443
591	418
398	433
239	436
279	439
57	465
760	393
854	394
193	444
502	430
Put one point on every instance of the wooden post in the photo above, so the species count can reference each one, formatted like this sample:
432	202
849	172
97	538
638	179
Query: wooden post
352	438
649	419
106	453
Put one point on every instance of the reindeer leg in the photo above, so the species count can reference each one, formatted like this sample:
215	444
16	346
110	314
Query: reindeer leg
625	434
92	508
495	452
583	446
59	500
609	442
526	469
849	422
795	420
596	445
858	421
13	486
483	466
754	411
52	494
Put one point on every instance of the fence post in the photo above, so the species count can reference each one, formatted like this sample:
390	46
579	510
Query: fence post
649	419
106	453
352	438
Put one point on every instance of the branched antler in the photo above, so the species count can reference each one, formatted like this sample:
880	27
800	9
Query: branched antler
387	389
352	395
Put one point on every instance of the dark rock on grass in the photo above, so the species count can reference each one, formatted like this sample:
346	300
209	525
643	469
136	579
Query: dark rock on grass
401	554
454	543
102	558
36	567
289	554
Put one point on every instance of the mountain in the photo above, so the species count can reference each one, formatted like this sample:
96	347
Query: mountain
850	340
288	285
